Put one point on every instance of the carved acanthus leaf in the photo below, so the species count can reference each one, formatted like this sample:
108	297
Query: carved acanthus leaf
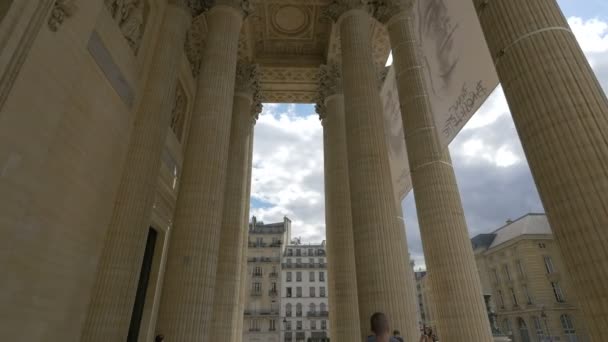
61	9
338	7
248	81
383	10
330	83
195	41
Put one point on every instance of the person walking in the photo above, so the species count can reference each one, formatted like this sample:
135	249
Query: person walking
381	329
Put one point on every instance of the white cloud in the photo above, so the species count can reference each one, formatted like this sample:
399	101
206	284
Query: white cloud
288	170
490	165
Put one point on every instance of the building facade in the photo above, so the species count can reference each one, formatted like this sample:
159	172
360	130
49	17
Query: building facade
527	288
304	294
264	250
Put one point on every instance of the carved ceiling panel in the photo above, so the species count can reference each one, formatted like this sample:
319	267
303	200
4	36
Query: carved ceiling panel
290	39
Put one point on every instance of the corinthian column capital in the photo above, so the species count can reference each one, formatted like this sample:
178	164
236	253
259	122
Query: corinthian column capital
244	6
384	10
337	8
330	83
247	78
248	82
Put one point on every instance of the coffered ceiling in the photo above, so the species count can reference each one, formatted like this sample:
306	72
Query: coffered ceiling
290	39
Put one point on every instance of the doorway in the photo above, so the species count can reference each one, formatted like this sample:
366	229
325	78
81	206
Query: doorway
142	286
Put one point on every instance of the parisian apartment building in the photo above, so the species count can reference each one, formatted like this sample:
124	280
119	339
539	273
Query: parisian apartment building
304	297
266	245
528	293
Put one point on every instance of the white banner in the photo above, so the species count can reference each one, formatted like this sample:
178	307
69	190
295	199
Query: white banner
459	74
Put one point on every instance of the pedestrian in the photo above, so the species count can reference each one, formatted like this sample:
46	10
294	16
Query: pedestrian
381	329
159	338
427	335
397	336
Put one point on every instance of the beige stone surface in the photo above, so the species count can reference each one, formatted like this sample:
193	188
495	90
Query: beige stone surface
187	300
119	269
449	258
384	279
232	246
63	139
342	279
560	112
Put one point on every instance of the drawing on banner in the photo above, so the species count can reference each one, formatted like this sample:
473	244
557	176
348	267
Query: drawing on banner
394	136
459	75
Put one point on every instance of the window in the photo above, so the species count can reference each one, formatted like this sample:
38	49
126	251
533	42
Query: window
298	291
273	325
288	276
496	276
288	325
507	326
321	276
299	262
568	328
288	294
549	265
527	294
542	245
257	271
501	300
514	297
311	275
520	268
507	273
299	325
257	287
312	291
288	309
310	252
288	261
273	287
539	328
298	252
557	291
254	325
312	308
523	330
313	325
321	261
322	291
299	310
289	252
298	276
323	325
259	241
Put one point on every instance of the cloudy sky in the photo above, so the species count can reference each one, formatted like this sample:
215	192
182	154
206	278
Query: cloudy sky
492	172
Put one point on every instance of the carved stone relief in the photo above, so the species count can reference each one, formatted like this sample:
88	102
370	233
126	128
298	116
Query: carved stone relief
195	40
130	16
179	112
61	9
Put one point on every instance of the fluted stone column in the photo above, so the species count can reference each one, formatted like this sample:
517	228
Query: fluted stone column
454	280
244	278
561	116
342	279
117	277
232	245
380	243
187	299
